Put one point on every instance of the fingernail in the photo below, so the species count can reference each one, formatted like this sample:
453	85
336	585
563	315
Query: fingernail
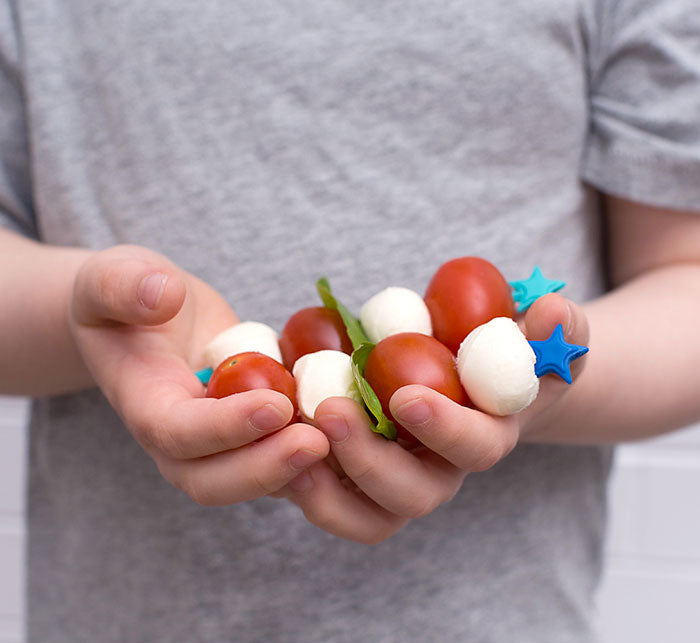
267	417
303	459
416	411
569	320
335	427
151	288
303	482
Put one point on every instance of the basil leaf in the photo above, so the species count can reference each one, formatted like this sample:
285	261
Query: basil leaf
352	324
384	425
362	348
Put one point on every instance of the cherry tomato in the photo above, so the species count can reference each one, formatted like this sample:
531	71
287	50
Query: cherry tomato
412	358
463	294
248	371
310	330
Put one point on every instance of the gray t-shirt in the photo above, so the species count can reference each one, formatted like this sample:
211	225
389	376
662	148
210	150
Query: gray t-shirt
261	144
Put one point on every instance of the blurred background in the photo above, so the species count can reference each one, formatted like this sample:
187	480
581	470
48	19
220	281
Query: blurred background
651	589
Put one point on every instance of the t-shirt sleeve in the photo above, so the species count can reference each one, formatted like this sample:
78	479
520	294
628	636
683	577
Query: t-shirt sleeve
644	81
16	210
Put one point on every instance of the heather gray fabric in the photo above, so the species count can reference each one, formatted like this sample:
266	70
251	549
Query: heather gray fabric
261	144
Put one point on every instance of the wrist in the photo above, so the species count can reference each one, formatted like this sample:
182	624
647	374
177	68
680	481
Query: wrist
35	336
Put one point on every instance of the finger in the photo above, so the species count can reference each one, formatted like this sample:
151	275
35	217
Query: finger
548	311
340	509
252	471
406	483
127	284
539	323
469	439
551	310
162	403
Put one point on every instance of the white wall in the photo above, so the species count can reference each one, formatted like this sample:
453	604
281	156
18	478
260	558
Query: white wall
651	591
652	585
12	453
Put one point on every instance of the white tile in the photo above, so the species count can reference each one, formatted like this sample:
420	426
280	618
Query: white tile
13	411
12	469
654	509
650	605
12	580
11	631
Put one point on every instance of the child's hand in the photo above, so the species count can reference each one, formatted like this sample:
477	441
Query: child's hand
141	323
380	485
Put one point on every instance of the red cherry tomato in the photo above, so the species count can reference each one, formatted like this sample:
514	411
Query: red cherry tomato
463	294
248	371
412	358
310	330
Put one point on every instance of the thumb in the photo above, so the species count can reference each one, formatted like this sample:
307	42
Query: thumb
129	285
553	309
548	311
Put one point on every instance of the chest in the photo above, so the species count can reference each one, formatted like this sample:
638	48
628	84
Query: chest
213	130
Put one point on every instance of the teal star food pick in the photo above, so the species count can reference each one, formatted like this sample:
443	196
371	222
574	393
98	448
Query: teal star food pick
527	291
204	375
555	354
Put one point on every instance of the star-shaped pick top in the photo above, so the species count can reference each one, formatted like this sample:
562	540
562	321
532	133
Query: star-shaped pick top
204	375
555	354
527	291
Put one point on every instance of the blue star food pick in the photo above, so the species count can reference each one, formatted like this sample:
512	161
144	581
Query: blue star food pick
527	291
555	354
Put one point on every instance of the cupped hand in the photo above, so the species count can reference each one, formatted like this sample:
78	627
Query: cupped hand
378	486
141	324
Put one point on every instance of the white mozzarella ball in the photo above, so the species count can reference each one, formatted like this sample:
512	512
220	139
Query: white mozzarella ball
242	338
395	310
321	375
496	366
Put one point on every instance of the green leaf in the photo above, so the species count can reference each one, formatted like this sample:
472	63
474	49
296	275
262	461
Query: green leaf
324	290
362	348
352	324
384	425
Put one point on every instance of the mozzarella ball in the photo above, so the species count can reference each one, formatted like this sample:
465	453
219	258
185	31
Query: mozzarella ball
395	310
242	338
321	375
496	366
